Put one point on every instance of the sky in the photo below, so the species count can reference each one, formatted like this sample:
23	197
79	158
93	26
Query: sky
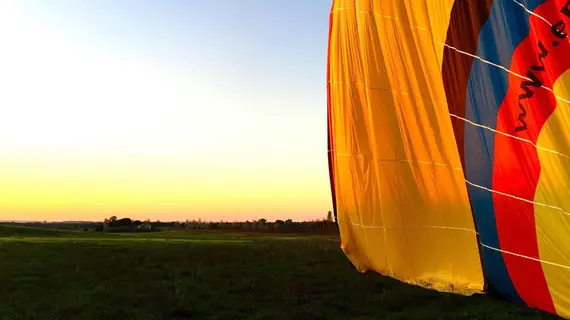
163	109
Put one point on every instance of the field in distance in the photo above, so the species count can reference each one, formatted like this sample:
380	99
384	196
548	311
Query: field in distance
51	273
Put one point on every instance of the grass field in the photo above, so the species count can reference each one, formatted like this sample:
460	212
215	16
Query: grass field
64	274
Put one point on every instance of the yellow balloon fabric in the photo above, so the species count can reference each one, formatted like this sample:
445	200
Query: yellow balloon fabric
401	200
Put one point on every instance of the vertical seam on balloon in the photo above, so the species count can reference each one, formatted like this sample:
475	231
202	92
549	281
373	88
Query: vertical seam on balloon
483	60
510	135
532	13
518	198
505	69
412	227
526	257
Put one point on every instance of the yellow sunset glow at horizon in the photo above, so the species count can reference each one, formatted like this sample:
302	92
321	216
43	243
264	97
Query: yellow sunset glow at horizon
88	131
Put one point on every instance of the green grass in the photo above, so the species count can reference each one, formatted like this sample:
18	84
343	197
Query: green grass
60	274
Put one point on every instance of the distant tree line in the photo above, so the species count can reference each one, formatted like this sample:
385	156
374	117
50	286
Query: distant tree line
114	224
261	224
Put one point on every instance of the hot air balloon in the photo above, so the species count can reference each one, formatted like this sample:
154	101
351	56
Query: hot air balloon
449	143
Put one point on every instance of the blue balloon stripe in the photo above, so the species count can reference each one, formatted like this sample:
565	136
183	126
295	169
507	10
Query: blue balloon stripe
507	26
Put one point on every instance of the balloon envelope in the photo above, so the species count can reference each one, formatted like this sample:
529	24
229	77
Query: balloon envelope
449	149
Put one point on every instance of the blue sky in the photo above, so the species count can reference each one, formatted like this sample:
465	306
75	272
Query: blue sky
234	91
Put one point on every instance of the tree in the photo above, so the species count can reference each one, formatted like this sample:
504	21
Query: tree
125	222
329	216
261	223
289	224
